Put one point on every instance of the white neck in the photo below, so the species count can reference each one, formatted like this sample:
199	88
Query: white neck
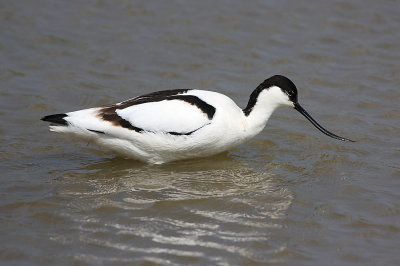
267	102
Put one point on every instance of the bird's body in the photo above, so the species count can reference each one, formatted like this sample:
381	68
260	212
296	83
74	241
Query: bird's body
173	125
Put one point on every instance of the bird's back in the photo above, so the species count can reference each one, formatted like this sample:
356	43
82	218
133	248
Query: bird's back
158	127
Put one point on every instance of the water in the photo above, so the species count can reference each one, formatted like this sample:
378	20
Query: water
291	196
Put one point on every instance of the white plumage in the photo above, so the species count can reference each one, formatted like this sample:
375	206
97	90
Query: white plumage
165	116
179	124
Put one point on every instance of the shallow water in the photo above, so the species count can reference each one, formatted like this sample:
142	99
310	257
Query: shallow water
291	196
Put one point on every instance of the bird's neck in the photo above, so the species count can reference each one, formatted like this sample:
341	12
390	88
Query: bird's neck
258	111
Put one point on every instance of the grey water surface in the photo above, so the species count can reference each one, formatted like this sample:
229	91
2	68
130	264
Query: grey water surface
291	196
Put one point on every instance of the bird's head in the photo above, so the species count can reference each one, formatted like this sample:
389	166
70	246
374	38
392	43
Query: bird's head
281	91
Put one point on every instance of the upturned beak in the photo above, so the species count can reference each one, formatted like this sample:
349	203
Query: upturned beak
320	128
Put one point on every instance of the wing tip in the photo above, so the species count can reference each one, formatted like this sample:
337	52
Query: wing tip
56	119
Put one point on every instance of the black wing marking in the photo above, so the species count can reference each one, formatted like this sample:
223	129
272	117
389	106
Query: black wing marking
150	97
108	113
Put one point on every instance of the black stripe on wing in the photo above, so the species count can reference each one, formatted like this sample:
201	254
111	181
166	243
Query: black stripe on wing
108	113
206	108
150	97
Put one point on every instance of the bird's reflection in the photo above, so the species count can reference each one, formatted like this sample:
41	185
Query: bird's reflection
218	203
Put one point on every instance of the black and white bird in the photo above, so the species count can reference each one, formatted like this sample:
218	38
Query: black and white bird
172	125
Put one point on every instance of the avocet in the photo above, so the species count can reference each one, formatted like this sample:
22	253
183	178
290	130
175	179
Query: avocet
172	125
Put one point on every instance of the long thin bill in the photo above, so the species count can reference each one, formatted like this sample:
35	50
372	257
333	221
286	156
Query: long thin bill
323	130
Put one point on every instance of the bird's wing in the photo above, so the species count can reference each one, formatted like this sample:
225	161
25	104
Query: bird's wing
173	112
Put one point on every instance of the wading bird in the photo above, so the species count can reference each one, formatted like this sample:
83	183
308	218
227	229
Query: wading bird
172	125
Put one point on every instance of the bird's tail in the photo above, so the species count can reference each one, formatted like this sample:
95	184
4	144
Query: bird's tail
57	119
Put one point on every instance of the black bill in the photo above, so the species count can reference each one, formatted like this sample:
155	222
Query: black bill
323	130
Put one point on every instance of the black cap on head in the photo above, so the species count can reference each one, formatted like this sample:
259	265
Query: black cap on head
286	85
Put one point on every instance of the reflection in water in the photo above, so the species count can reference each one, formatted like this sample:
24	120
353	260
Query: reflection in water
205	212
